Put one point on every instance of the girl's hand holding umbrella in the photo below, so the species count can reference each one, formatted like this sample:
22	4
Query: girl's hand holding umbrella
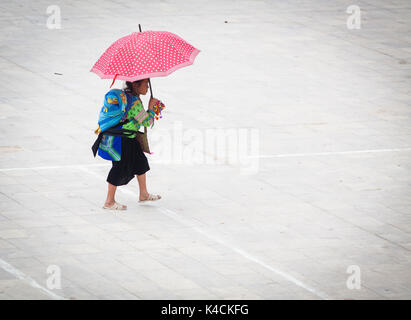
152	102
156	106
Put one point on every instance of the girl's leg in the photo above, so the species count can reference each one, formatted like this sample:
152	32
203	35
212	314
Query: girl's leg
143	187
110	195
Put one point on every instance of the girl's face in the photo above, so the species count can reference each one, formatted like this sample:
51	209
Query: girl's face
141	88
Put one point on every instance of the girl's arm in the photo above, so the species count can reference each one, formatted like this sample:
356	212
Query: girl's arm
149	120
143	117
146	118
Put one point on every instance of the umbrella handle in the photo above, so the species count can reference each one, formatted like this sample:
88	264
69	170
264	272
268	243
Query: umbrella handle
149	82
151	92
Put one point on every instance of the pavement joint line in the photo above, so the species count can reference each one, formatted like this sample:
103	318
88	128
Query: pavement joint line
246	255
329	153
56	167
175	216
260	156
22	276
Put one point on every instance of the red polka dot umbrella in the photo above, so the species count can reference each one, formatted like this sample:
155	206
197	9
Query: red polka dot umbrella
142	55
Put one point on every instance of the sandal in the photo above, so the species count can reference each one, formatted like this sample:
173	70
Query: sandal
116	206
151	197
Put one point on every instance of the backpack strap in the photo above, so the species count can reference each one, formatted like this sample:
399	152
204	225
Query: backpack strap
113	131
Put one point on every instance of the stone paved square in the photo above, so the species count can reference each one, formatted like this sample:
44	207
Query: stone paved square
305	194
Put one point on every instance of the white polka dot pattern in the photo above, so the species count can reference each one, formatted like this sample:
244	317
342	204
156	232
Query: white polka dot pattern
144	55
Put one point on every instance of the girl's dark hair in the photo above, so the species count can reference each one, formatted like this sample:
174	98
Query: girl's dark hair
129	86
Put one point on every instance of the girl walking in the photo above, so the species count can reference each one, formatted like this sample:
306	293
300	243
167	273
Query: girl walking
124	151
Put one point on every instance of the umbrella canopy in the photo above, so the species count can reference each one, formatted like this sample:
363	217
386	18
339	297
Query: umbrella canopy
142	55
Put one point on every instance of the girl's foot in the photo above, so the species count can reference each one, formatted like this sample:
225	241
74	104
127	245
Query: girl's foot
114	206
149	197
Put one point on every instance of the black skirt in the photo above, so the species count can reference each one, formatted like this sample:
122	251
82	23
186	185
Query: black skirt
133	162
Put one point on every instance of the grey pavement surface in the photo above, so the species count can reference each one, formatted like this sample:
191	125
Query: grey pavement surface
325	186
